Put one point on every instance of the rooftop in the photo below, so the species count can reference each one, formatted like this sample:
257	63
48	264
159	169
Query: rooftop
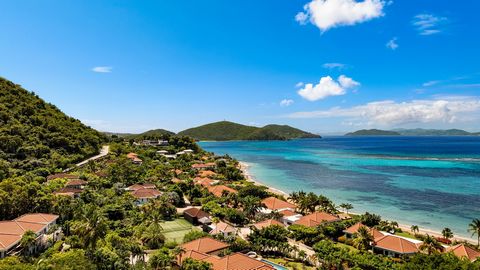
205	245
273	203
269	222
316	219
396	244
463	251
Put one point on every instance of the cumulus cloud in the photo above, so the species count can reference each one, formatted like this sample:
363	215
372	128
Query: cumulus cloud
392	44
299	84
326	14
286	102
102	69
327	87
428	24
334	65
391	113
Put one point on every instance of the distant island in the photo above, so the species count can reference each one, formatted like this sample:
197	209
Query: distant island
373	132
228	131
412	132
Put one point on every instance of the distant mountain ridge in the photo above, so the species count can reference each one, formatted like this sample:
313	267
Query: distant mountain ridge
228	131
412	132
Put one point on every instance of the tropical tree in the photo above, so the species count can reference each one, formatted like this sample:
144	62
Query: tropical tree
28	241
474	228
447	233
177	252
90	227
363	238
251	205
152	236
414	229
430	245
346	207
191	264
161	259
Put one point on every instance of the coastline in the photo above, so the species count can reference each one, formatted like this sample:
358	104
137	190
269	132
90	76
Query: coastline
244	166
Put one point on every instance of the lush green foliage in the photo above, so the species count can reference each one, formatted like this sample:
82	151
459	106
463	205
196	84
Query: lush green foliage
372	132
37	137
225	131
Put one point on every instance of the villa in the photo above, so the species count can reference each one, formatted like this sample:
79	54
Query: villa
134	158
207	249
394	246
266	223
76	183
154	143
11	232
316	219
223	228
68	191
274	204
463	251
143	192
289	217
196	216
220	190
352	230
204	182
204	166
207	173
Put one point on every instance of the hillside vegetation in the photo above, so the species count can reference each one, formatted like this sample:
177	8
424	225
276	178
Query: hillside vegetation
151	134
412	132
36	136
226	131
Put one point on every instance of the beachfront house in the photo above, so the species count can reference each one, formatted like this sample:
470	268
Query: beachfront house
317	218
11	232
464	252
351	231
275	204
207	249
395	246
222	228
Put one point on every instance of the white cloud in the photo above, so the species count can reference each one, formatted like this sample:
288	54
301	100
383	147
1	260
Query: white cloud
102	69
286	102
327	87
326	14
392	44
299	84
334	65
428	24
430	83
391	113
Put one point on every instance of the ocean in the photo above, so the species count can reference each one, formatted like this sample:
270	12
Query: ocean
432	182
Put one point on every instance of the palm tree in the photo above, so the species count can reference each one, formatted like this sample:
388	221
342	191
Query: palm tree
474	228
91	226
363	238
414	229
431	245
152	236
447	233
28	240
177	252
346	207
251	205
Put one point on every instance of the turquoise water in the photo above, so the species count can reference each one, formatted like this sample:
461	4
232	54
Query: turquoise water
276	266
433	182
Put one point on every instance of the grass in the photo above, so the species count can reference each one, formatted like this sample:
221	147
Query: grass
175	230
290	265
342	245
406	234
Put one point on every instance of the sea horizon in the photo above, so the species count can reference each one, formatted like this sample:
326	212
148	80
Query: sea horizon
401	178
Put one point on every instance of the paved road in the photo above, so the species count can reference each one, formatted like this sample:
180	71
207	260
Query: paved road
103	152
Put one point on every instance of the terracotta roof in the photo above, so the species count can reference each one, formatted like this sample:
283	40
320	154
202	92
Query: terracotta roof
287	213
205	245
269	222
134	157
141	186
203	165
273	203
463	251
146	193
354	229
206	173
19	227
218	190
8	240
236	261
396	244
176	180
195	212
222	227
68	191
316	219
62	175
76	182
38	218
204	182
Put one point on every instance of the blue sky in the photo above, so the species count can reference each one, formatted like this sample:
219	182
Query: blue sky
321	65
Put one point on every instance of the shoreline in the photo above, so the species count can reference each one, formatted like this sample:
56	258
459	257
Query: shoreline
244	167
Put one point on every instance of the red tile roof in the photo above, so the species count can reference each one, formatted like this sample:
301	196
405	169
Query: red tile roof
68	191
269	222
146	193
38	218
354	229
463	251
273	203
204	182
219	189
203	165
222	227
316	219
396	244
236	261
76	182
195	212
287	213
206	173
205	245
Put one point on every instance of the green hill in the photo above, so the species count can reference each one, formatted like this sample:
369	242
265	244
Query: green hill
433	132
151	134
36	136
372	132
226	131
